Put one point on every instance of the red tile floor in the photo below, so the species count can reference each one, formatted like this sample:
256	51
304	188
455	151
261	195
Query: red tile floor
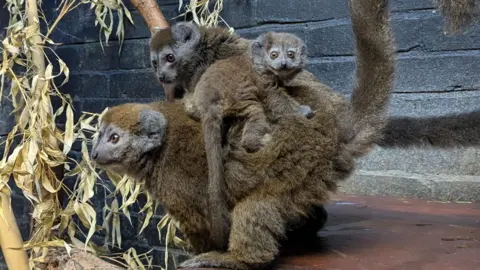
371	232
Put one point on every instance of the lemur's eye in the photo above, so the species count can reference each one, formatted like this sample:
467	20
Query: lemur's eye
291	54
114	138
154	63
170	58
273	55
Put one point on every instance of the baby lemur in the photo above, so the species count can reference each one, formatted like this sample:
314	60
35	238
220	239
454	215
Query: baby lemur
278	57
281	54
231	88
268	191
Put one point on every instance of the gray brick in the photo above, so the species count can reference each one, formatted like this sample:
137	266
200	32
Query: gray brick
380	183
76	30
424	161
86	85
337	73
415	72
2	145
4	17
408	31
239	13
300	11
251	33
405	5
79	57
330	38
96	59
22	210
430	104
80	87
140	29
83	10
460	162
436	72
433	37
432	187
135	54
61	119
6	119
98	105
420	31
73	56
464	189
141	84
80	29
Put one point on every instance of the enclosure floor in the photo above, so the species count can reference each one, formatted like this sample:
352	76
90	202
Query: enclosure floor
366	232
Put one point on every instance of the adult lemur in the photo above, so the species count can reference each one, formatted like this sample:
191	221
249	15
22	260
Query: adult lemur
275	188
212	67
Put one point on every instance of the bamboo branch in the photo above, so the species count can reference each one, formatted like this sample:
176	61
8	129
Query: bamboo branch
11	240
37	57
151	13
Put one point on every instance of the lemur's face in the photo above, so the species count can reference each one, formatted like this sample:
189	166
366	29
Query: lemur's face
120	150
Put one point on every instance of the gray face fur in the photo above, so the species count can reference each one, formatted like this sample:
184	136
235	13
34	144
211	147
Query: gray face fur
279	53
165	58
118	149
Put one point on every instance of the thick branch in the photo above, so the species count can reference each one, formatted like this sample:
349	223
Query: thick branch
10	238
37	52
151	13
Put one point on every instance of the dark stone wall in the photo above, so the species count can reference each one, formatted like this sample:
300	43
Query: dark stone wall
429	62
436	73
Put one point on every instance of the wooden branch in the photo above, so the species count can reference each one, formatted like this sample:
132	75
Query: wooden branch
11	240
37	56
151	13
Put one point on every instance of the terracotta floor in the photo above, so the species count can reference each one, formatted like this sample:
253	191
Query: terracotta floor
389	233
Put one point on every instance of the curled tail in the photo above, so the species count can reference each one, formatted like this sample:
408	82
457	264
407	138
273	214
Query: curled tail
454	130
375	72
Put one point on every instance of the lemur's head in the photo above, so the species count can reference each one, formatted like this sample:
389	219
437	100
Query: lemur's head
128	133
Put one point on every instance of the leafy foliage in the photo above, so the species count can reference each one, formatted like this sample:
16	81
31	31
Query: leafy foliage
36	149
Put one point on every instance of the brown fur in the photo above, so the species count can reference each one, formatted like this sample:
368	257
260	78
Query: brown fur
215	98
239	96
458	13
231	88
268	191
275	188
279	102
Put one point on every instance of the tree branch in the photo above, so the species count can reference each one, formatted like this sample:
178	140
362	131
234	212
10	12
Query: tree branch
11	240
151	13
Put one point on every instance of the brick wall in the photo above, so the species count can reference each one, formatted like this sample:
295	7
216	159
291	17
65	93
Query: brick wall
436	74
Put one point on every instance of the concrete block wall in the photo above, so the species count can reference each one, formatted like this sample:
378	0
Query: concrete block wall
436	74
